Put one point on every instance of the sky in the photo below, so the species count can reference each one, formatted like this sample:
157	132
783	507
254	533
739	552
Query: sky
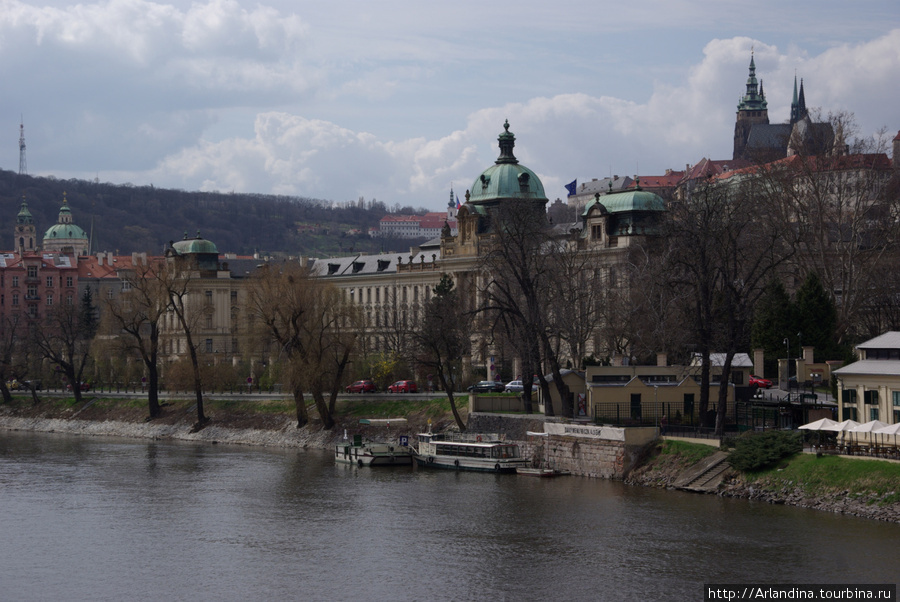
401	100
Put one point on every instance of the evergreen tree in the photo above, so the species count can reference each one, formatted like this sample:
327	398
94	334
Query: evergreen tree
816	321
772	321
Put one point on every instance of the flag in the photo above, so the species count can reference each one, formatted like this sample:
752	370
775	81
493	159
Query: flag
571	186
457	202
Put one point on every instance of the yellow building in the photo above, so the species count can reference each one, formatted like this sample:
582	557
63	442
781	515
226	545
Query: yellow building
869	389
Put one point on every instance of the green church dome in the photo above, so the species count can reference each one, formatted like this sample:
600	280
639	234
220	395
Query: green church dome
65	231
506	179
191	246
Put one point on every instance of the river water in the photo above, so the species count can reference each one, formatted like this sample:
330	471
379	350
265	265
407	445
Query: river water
110	519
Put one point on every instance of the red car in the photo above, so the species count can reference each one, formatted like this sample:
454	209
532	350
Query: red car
361	386
404	386
82	386
758	381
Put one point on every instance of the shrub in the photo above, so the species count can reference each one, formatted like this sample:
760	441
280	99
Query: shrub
756	451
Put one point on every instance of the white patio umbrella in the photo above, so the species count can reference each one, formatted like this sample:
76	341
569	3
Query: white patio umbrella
841	427
891	429
818	425
868	427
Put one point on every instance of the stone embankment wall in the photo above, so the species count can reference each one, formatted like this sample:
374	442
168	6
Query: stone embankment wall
289	436
608	459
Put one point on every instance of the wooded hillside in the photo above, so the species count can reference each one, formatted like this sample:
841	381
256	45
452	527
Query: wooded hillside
126	218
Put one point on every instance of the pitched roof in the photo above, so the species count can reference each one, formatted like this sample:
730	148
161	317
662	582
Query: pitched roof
888	340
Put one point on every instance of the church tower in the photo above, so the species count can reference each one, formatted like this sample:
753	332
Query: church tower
798	104
751	110
25	233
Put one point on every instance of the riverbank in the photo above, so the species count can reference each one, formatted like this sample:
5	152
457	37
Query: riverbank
869	489
264	422
857	487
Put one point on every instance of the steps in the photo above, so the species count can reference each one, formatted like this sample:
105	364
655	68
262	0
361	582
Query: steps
704	476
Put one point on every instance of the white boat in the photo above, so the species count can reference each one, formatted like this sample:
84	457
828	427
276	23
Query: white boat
462	451
371	453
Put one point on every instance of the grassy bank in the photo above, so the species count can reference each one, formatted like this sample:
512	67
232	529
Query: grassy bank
876	481
242	412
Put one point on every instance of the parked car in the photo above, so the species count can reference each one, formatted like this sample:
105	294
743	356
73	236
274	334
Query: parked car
759	381
487	386
362	386
404	386
516	386
82	386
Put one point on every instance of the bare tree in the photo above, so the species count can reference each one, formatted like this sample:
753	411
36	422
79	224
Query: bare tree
442	340
137	314
177	288
313	327
846	218
65	337
14	353
723	247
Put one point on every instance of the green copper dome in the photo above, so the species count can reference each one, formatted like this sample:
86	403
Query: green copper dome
65	231
190	246
506	179
632	200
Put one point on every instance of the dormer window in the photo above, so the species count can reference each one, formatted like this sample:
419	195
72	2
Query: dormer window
333	268
358	266
523	182
485	182
383	264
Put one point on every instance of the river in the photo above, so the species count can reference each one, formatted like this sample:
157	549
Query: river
112	519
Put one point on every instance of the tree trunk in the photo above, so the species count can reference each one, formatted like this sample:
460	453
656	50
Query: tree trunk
722	407
322	407
300	405
449	390
4	390
153	391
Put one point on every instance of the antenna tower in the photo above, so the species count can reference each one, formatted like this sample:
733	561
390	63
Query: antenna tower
23	166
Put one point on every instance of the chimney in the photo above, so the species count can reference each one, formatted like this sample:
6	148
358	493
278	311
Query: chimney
662	359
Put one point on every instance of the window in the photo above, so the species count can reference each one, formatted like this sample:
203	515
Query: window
49	281
69	281
209	297
110	293
873	413
15	281
234	345
209	321
896	396
32	292
850	413
15	299
32	271
32	311
871	397
209	345
848	396
49	299
69	299
234	297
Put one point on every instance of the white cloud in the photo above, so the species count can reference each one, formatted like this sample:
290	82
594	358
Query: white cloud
344	100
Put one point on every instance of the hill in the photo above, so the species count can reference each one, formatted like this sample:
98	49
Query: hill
126	218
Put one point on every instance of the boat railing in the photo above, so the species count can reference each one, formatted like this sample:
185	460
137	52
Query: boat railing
469	437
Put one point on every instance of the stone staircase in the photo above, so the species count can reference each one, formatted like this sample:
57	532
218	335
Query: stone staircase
704	476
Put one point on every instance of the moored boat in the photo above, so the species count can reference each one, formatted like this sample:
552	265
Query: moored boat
541	472
459	451
368	453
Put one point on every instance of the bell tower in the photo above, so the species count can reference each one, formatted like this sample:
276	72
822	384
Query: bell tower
25	235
